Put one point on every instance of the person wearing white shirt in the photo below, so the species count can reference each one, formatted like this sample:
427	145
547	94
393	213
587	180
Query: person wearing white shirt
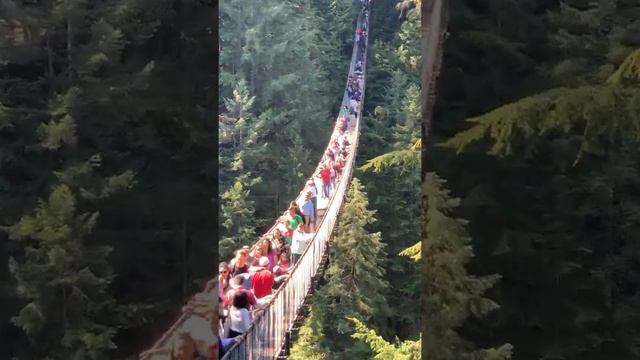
299	242
239	315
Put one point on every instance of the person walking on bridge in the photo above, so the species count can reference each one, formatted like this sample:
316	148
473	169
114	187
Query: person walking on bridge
311	187
325	175
269	251
299	243
237	286
239	315
240	264
294	219
308	212
262	279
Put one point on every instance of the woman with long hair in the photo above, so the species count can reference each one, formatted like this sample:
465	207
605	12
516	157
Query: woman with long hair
239	314
269	252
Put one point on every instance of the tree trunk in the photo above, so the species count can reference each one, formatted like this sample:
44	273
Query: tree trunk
185	257
70	48
49	61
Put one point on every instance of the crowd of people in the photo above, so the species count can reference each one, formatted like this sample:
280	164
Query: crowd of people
246	284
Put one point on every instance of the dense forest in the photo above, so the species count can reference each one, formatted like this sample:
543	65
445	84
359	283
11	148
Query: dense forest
279	84
535	130
107	179
525	200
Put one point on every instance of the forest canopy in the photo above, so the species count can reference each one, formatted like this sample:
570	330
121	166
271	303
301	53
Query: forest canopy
536	133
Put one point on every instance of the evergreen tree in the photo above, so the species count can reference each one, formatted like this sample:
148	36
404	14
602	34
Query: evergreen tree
354	278
234	124
93	89
402	212
593	38
286	66
64	280
383	350
553	227
237	218
409	51
311	338
388	143
573	214
407	127
450	293
299	160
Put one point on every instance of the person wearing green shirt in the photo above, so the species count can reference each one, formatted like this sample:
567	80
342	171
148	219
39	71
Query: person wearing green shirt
294	220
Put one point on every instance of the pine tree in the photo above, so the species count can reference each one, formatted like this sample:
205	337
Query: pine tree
401	228
94	89
576	143
383	350
277	59
235	122
593	38
451	294
354	278
406	159
237	217
407	127
309	345
409	51
599	111
64	280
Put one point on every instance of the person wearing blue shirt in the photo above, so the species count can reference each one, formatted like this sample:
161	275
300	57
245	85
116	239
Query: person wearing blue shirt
308	212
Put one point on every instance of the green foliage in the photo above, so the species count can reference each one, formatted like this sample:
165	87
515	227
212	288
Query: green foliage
414	252
404	160
593	38
409	52
590	115
629	71
383	350
112	100
263	62
407	127
310	338
64	281
547	212
354	278
572	210
234	124
237	218
355	275
451	294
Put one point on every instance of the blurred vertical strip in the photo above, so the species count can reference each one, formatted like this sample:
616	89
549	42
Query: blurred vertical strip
434	31
434	25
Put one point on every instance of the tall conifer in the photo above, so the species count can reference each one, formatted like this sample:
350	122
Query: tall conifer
451	294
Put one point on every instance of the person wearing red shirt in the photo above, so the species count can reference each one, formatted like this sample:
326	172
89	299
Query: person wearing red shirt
262	283
236	285
325	174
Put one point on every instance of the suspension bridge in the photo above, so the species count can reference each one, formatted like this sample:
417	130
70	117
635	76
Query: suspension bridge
270	334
